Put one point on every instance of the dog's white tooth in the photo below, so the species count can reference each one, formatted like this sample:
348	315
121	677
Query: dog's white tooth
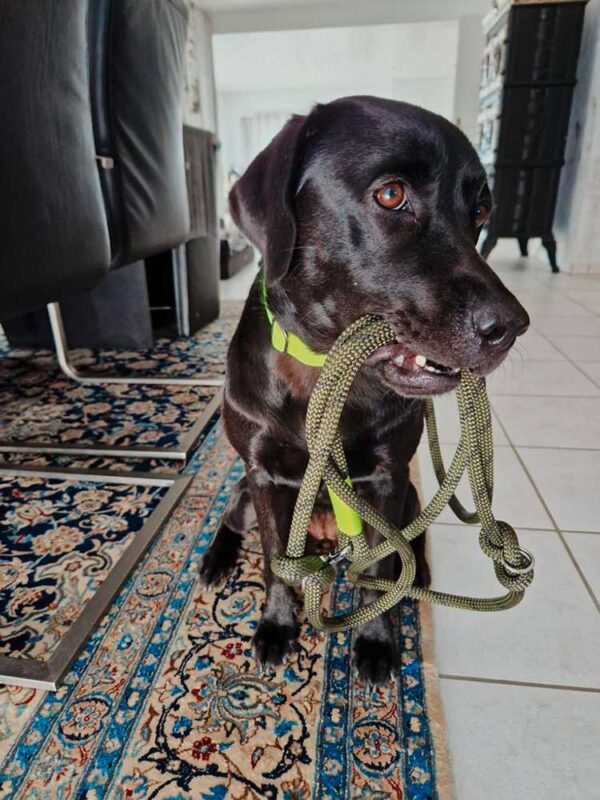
399	360
420	361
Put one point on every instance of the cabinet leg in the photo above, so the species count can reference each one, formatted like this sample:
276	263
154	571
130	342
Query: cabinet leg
523	246
489	244
549	243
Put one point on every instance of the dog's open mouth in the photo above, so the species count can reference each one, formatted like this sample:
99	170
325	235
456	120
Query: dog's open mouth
407	361
421	374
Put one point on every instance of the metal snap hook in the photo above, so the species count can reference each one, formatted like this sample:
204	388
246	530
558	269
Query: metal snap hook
334	558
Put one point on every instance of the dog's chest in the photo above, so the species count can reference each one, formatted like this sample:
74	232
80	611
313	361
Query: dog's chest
373	446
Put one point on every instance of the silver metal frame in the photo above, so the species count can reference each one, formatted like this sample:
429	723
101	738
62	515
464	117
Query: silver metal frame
178	453
41	674
99	378
182	300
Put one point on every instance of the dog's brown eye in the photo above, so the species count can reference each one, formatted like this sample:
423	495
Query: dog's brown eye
391	196
481	215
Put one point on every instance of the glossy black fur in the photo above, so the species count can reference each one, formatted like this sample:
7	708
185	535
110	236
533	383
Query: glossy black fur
331	255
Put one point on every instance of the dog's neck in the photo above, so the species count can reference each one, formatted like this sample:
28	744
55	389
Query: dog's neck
299	378
314	325
292	369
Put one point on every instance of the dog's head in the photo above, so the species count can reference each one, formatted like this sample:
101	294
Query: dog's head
374	206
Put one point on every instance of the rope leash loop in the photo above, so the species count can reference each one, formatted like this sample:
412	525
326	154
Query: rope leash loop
327	465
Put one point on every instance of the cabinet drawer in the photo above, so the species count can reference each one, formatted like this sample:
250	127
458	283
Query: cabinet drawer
544	43
534	123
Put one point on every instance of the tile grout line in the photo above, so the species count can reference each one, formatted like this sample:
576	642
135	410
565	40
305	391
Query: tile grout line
577	302
550	396
583	372
535	329
524	528
542	282
570	360
554	523
520	527
556	346
524	684
539	446
525	359
557	530
561	292
518	455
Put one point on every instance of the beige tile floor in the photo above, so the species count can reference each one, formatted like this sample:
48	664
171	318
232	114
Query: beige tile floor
237	287
521	689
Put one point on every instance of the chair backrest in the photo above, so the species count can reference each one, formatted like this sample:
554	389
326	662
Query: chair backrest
92	171
137	67
53	232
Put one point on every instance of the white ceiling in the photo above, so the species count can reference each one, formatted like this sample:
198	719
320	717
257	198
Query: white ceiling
224	5
236	16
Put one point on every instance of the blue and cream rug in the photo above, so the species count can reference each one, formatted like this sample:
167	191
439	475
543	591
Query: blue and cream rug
166	701
59	540
40	405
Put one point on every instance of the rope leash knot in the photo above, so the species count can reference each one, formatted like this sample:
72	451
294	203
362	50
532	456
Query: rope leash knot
327	465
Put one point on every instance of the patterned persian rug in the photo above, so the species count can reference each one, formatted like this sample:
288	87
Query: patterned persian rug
40	405
165	700
59	539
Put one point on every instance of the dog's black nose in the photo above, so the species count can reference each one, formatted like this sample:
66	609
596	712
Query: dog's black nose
496	329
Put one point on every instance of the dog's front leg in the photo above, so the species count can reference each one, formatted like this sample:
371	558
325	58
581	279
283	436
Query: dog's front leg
375	649
278	628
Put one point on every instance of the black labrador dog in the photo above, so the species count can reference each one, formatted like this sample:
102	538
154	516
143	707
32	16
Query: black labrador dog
364	206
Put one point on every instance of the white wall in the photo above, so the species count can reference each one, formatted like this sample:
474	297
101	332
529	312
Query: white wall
199	108
285	72
577	220
468	72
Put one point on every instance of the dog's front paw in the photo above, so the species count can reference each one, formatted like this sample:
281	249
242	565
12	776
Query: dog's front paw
375	659
272	643
220	557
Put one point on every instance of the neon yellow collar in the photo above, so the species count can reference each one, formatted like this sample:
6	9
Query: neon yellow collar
347	519
287	342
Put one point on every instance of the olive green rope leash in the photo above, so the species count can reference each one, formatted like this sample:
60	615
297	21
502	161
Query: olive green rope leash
327	464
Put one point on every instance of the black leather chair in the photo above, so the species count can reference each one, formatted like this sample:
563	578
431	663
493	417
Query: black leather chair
92	178
92	168
136	61
92	173
53	224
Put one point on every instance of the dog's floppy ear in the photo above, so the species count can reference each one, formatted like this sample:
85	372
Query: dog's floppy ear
261	201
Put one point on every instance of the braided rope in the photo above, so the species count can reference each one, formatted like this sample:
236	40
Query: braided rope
327	464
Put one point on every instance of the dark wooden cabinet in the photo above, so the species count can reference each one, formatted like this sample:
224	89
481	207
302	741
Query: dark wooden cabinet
528	75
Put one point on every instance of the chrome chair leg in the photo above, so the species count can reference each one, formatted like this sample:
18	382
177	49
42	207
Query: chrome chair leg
178	452
100	378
